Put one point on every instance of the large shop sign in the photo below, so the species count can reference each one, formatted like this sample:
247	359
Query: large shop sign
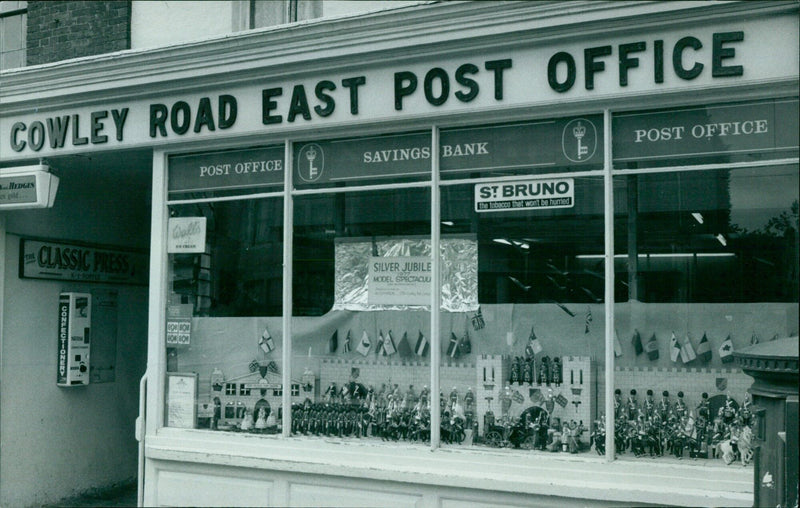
752	51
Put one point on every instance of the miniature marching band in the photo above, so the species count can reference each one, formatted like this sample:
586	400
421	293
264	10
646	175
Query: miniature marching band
667	428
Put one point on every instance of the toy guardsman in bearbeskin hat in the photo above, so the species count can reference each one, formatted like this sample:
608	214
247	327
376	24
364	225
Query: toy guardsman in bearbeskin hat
617	403
632	406
664	406
649	404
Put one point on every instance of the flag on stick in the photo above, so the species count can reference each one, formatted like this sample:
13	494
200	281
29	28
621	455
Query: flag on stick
403	347
265	342
687	350
333	343
704	349
364	344
534	346
346	347
636	340
588	319
379	346
388	345
652	348
452	347
617	345
674	348
726	350
421	347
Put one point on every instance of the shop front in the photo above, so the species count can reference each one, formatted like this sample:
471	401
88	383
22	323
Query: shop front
460	255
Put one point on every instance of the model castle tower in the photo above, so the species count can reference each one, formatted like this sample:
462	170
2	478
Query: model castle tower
577	387
493	372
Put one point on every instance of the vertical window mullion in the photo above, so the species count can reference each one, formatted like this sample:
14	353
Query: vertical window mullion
608	216
288	223
435	289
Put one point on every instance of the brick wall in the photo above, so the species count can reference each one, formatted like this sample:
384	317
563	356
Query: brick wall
71	29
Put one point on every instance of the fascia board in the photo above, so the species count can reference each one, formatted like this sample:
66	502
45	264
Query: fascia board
318	45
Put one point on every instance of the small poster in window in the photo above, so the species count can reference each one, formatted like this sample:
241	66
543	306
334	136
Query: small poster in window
181	395
186	235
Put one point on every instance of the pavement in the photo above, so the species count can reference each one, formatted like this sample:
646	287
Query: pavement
116	496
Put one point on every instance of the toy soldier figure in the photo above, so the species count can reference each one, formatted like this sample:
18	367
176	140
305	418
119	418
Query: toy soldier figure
617	404
544	372
515	371
527	371
680	406
632	406
555	371
649	404
453	397
664	406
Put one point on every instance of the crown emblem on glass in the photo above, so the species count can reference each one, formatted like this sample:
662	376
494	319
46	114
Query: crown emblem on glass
579	131
311	154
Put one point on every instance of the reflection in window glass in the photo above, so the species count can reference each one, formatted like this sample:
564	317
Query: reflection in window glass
706	264
224	314
362	278
521	369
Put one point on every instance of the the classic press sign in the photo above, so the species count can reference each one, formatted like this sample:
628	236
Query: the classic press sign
507	196
41	259
667	60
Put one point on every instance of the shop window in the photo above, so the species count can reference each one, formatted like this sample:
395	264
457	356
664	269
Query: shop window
706	264
226	294
13	31
361	273
520	370
295	389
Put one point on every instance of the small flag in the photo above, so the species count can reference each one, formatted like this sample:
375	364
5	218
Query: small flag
452	347
722	384
754	339
652	348
674	348
364	344
379	347
617	345
403	347
588	319
561	400
636	340
266	342
333	343
477	320
253	366
421	347
272	367
517	397
704	349
388	345
534	346
687	350
726	350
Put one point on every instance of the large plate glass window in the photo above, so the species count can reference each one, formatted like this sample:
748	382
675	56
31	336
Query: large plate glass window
706	264
522	359
361	289
224	290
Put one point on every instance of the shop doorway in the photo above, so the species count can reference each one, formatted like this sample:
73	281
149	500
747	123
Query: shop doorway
92	242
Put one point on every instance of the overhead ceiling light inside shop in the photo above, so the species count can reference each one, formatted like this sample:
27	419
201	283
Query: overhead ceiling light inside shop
698	217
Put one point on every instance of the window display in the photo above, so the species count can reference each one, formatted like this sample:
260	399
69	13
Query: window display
705	263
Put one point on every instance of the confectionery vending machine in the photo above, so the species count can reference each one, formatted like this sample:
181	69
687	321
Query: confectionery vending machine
74	326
